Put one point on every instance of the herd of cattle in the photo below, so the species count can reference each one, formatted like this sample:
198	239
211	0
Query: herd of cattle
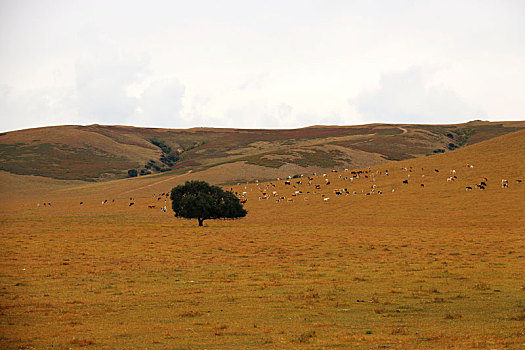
346	182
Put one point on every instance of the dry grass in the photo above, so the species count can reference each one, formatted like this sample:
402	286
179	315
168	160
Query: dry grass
428	268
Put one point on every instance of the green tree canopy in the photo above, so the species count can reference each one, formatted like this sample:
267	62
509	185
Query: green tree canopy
202	201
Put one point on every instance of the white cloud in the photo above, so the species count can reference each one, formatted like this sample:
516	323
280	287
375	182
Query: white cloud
236	63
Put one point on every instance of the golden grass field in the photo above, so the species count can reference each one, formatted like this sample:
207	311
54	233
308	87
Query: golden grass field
429	267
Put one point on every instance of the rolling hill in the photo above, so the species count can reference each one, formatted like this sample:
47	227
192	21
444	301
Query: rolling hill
101	153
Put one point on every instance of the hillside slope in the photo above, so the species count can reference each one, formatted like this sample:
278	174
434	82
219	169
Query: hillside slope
98	153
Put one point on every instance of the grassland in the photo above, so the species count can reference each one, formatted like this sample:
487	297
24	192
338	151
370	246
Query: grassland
428	267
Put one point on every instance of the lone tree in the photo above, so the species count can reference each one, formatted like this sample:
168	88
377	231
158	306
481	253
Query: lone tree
199	200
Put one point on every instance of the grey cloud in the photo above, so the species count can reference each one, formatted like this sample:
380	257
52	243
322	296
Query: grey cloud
36	107
406	97
257	114
284	111
161	103
328	118
197	115
101	83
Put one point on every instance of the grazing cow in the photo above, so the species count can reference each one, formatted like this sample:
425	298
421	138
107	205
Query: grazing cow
422	185
468	188
518	181
504	183
405	182
483	183
130	204
151	206
81	203
326	199
48	204
244	201
287	183
436	170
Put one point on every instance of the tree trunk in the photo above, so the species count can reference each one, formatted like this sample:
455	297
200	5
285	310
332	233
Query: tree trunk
200	221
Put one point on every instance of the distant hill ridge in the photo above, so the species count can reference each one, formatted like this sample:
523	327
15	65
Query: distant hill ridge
99	153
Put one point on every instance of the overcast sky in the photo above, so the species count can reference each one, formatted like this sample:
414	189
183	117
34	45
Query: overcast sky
260	64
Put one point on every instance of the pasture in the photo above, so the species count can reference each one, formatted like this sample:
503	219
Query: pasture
421	267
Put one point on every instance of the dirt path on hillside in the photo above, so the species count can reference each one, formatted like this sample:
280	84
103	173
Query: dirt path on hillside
403	130
158	182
